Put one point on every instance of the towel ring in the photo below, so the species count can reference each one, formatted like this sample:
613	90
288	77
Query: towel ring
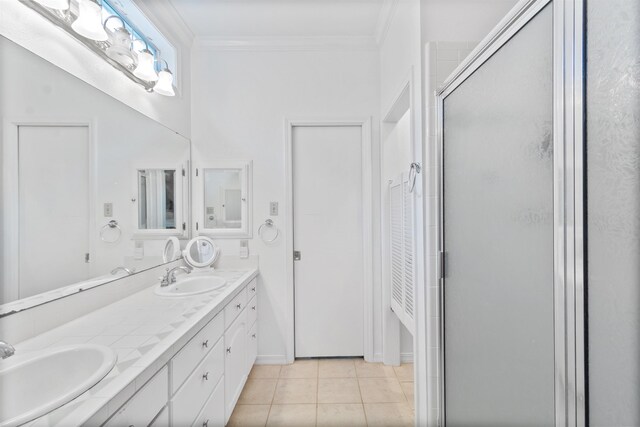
113	224
269	224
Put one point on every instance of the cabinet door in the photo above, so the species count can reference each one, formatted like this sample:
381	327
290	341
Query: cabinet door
143	407
252	346
235	367
195	392
162	420
212	414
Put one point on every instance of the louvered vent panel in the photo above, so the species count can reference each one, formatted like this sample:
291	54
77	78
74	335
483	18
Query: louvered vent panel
402	251
397	269
408	250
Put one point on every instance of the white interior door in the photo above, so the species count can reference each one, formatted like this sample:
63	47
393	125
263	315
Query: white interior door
53	176
328	218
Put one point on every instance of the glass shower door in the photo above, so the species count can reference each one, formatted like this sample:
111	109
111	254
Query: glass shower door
498	236
613	211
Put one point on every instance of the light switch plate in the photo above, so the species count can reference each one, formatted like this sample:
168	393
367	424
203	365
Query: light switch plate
108	210
273	208
244	249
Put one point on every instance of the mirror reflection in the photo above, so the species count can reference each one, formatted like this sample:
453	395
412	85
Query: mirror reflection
156	206
223	198
76	210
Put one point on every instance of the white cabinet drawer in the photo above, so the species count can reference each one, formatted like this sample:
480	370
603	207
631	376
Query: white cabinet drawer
188	401
252	346
235	307
161	420
252	311
252	287
143	407
212	414
235	362
192	353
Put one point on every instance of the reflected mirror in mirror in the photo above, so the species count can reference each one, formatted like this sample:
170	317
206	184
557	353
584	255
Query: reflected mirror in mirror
171	250
156	199
222	198
69	152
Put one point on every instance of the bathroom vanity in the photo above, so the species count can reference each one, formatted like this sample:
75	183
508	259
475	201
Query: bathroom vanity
181	361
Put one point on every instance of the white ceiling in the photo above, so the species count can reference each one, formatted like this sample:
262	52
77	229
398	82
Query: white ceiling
280	18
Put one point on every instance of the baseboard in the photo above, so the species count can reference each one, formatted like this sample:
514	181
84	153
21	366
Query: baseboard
377	357
406	357
271	360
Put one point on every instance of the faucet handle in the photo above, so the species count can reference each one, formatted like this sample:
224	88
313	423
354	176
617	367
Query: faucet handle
6	350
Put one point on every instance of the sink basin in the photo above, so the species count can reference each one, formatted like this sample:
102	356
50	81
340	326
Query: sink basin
34	384
191	286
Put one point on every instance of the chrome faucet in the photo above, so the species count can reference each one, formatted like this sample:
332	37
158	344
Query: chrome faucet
129	271
170	275
6	350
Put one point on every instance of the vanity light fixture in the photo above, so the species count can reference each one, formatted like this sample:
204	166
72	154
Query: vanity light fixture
113	43
164	86
55	4
89	21
120	43
145	69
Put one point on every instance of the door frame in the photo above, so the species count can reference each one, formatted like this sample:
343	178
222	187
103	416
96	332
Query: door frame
11	195
367	226
568	196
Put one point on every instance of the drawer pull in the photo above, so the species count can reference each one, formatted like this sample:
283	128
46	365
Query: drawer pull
253	336
229	350
205	424
205	376
239	306
205	343
253	308
253	289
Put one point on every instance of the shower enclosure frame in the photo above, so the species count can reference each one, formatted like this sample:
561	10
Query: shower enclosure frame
569	177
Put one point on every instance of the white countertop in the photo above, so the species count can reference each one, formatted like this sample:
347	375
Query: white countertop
145	331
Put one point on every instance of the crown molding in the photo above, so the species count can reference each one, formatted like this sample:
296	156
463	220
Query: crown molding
165	15
387	11
301	43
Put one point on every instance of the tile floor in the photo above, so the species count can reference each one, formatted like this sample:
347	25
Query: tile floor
326	392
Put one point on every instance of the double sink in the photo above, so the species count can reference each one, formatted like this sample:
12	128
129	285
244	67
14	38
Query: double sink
36	383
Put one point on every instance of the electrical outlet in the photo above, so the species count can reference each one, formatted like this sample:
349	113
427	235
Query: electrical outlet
108	210
273	208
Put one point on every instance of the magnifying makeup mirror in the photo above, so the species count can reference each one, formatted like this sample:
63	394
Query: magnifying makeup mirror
201	252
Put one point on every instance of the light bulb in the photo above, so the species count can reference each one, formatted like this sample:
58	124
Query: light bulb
55	4
120	49
89	22
145	70
164	86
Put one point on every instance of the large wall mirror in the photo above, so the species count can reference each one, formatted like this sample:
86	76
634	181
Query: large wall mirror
91	189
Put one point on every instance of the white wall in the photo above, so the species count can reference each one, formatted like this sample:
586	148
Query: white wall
32	31
461	20
400	63
239	108
396	155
